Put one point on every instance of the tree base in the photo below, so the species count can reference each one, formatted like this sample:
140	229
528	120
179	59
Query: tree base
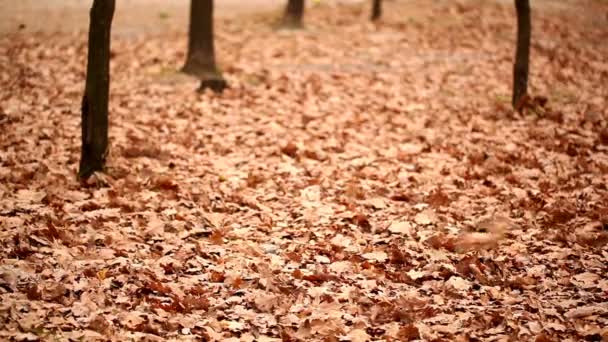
290	23
216	84
200	70
376	10
210	79
89	165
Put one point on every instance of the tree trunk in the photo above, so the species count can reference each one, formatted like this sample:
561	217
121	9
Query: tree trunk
200	61
522	54
376	9
293	14
97	89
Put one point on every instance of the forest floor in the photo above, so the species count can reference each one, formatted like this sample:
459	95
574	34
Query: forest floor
131	16
357	182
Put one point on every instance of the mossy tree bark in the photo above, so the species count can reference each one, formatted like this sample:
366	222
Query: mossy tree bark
376	9
522	54
200	61
97	90
293	14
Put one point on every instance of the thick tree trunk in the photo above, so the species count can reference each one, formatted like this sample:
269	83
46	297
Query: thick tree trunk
200	61
522	54
376	9
97	90
293	14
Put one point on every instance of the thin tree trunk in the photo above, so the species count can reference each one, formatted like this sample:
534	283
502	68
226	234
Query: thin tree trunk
522	54
376	9
200	61
293	14
97	90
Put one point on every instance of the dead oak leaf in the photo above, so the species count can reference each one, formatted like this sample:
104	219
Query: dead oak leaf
358	335
560	212
458	283
378	256
488	235
438	198
587	311
362	222
400	227
290	149
408	333
441	240
476	241
319	278
426	217
165	183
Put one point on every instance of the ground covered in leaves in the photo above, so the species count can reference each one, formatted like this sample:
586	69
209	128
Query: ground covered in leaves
357	182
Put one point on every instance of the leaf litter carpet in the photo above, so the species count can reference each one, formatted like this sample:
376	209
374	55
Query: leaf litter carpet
357	182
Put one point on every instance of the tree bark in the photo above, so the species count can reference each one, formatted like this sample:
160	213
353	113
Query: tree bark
293	14
376	9
200	61
97	90
522	54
